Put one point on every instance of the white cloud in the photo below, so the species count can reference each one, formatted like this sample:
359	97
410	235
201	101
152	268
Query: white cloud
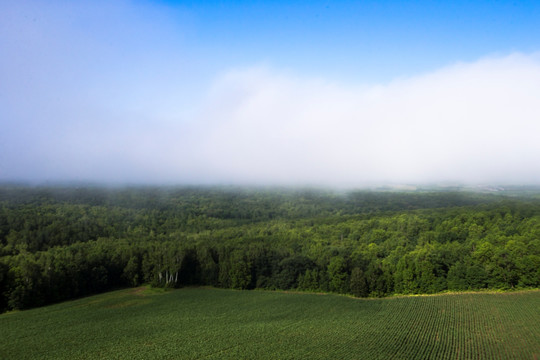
476	122
118	92
470	122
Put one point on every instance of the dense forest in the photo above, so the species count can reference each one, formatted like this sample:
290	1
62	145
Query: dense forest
58	243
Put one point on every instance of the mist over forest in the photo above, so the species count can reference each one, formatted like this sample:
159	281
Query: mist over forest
371	153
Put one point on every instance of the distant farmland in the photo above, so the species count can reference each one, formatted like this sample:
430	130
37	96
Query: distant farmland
199	323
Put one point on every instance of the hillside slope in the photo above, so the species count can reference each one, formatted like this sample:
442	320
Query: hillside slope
196	323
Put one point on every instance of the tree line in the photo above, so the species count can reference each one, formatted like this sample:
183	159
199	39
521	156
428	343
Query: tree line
61	243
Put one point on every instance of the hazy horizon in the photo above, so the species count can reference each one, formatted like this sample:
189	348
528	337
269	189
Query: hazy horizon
341	94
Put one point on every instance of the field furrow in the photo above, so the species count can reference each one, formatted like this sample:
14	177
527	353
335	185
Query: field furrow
201	323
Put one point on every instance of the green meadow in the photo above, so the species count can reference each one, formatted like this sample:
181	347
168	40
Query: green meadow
209	323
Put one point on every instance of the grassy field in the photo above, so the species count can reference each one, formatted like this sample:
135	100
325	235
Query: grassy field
199	323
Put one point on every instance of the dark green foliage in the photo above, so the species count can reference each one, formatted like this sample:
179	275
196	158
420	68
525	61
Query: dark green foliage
239	271
338	275
290	269
61	243
359	286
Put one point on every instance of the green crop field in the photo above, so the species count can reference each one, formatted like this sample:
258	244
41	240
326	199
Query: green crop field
200	323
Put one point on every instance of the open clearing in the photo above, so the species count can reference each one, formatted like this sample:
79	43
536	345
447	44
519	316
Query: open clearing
202	323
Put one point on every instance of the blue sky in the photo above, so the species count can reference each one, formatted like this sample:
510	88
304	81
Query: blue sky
370	41
315	93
